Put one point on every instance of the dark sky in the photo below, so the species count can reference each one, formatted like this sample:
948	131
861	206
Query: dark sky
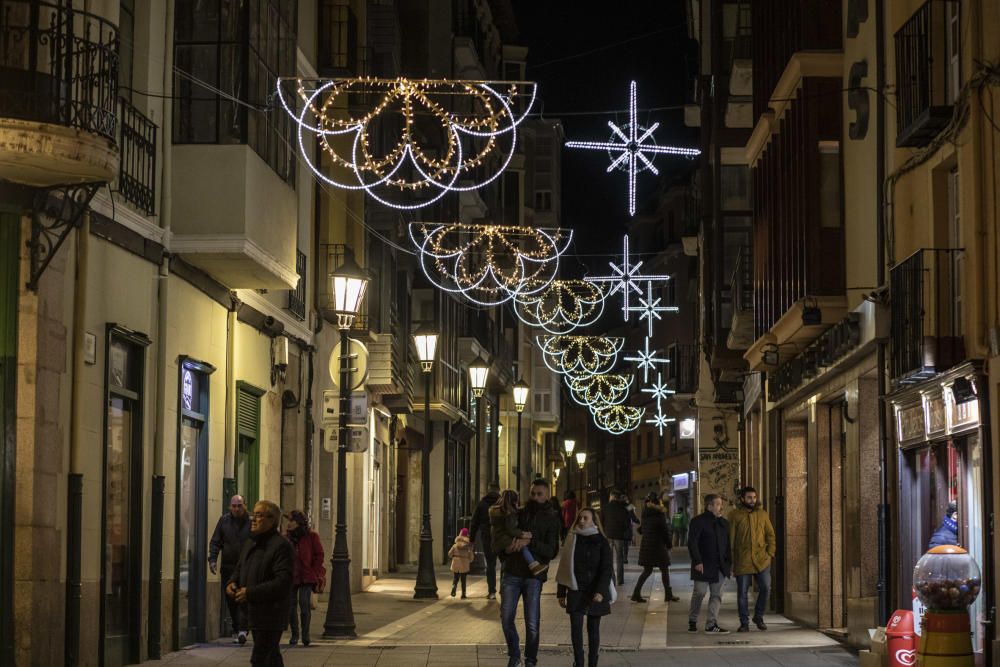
599	48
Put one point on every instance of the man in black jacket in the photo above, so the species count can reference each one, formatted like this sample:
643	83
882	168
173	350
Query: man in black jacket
480	528
232	530
617	529
711	563
541	523
263	581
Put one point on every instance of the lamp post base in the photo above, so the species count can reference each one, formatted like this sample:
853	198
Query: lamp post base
426	587
339	623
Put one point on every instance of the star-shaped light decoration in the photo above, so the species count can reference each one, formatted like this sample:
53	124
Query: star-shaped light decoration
650	308
660	420
658	389
625	279
629	145
646	360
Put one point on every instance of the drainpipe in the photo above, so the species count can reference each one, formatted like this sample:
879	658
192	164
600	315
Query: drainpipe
310	429
229	466
153	633
74	496
884	540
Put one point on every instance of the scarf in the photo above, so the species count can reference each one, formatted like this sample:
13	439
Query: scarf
951	523
566	574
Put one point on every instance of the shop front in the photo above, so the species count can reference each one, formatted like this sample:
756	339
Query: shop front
941	439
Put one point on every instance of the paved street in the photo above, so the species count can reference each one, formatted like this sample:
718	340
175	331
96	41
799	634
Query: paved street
394	629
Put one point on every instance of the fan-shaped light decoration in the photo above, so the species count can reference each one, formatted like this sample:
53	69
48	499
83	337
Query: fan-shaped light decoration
618	419
597	391
628	146
453	136
580	355
489	264
625	278
561	306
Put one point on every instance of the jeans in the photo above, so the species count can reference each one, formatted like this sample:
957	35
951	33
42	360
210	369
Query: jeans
266	648
237	613
511	589
618	560
301	598
763	589
491	572
593	638
646	571
459	576
714	590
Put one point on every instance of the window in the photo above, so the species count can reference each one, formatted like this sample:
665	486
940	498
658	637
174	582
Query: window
297	296
223	71
543	200
543	401
511	198
248	441
338	38
829	185
735	187
957	254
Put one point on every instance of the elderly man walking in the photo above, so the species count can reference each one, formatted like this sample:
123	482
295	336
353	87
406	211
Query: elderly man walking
618	529
711	563
263	581
754	545
232	530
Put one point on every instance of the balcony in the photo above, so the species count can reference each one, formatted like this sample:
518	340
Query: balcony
928	51
390	373
234	217
741	329
137	167
58	95
682	371
926	315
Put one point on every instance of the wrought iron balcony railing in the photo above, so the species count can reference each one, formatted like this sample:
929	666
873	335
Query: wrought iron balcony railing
742	281
58	65
682	371
927	71
926	314
137	168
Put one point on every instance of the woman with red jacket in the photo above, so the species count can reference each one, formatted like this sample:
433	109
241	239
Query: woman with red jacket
308	573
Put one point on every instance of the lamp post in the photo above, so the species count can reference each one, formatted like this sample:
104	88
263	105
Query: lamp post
568	445
520	399
581	459
349	284
479	371
426	586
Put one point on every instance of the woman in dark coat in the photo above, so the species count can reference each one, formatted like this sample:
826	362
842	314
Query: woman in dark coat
585	586
654	550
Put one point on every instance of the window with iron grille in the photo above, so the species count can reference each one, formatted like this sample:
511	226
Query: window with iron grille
297	296
228	55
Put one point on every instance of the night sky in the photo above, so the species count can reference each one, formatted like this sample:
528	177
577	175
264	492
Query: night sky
583	54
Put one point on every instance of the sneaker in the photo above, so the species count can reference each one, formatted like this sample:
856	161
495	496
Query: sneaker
716	630
293	641
670	597
759	622
514	662
491	596
306	642
241	637
538	568
743	628
236	639
693	627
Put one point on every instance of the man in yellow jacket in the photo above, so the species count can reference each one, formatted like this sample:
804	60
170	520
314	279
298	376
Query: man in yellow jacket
754	545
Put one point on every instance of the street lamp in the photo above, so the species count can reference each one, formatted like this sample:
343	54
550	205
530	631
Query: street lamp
568	445
349	284
479	371
521	389
426	587
581	458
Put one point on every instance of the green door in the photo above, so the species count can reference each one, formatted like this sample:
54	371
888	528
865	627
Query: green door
9	265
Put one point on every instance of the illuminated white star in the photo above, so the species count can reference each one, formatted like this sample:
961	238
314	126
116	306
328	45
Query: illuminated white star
625	279
631	142
658	389
646	361
651	307
660	420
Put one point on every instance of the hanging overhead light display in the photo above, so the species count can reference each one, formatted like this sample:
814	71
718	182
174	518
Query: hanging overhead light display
660	420
489	264
659	391
618	419
625	278
580	355
646	360
650	308
439	149
597	391
629	145
561	306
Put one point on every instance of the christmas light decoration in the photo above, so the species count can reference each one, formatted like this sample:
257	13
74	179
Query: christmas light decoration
580	355
650	308
597	391
629	145
660	420
618	419
489	264
437	144
658	389
646	361
561	306
625	278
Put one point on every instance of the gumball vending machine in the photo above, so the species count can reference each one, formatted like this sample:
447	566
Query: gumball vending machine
947	580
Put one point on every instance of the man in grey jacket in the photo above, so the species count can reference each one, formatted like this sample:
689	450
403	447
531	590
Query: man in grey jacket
232	530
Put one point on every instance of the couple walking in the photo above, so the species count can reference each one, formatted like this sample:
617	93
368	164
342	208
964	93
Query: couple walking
742	546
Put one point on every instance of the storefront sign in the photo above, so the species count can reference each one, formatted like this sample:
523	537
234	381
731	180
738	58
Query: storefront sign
935	408
680	482
962	415
910	423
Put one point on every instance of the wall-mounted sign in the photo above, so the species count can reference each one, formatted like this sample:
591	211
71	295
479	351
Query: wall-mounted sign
358	415
680	482
187	389
910	423
686	428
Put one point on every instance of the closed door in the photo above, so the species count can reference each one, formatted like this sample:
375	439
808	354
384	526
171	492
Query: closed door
117	547
191	534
